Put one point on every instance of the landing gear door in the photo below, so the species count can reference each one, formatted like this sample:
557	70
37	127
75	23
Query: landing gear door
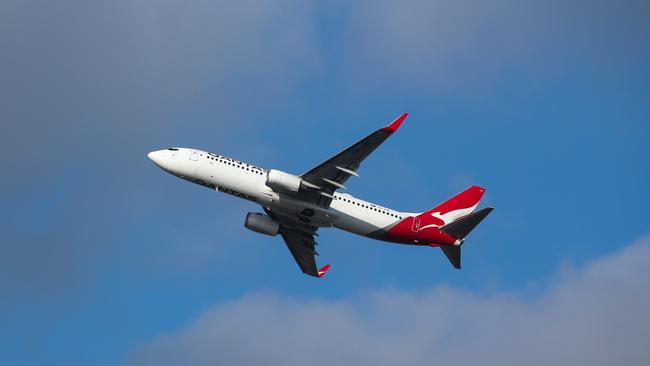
194	155
416	224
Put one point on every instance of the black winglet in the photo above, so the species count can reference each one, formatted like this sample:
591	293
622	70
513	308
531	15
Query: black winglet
461	227
453	254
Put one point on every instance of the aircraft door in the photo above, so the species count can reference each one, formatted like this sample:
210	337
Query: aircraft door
194	155
416	224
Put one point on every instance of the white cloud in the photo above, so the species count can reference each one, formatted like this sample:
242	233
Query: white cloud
596	314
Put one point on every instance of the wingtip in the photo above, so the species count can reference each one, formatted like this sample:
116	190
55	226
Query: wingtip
393	126
321	272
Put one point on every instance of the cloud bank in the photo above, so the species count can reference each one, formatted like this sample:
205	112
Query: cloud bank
593	315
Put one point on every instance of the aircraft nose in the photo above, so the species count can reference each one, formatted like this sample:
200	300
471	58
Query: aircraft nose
156	156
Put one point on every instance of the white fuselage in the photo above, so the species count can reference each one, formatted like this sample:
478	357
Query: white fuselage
249	182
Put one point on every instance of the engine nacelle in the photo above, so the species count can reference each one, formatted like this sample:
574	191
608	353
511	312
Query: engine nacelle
262	224
280	181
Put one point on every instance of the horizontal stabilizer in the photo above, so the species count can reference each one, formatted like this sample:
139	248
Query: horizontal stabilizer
461	227
453	254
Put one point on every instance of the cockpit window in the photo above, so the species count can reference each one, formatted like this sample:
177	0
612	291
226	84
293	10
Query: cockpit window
172	149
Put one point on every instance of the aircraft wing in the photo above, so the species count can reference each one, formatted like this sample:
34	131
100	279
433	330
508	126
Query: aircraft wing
301	246
331	174
299	238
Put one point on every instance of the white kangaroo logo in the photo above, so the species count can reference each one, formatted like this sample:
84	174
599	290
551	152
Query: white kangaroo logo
450	216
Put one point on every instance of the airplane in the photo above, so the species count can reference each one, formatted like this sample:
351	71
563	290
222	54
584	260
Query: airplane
295	207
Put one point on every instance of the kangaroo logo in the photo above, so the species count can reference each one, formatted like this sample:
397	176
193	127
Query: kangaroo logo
450	216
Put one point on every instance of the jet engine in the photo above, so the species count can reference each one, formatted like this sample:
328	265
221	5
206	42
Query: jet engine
281	181
262	224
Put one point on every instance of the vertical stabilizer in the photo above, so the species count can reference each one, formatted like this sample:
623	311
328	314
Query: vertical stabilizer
447	212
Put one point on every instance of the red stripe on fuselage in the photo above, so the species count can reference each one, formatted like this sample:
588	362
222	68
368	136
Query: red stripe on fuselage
407	232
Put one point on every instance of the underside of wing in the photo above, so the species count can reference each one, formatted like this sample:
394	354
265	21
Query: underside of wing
299	238
302	249
333	173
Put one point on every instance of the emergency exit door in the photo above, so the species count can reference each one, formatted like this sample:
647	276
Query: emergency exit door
194	155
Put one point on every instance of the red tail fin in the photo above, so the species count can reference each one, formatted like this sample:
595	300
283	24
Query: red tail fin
454	208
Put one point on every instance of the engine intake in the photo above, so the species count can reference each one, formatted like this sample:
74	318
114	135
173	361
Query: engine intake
281	181
262	224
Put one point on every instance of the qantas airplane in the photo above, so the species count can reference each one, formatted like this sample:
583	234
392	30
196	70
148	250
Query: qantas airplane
297	206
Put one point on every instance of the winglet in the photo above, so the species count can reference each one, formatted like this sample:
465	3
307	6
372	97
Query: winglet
393	126
321	272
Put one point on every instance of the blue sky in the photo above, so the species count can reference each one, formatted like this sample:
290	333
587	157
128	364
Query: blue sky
107	259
